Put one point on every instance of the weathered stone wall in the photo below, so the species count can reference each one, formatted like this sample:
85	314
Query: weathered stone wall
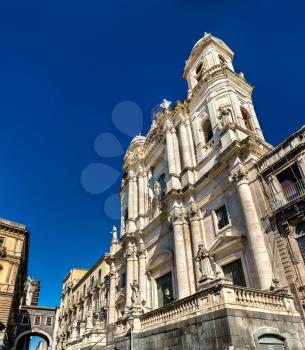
217	331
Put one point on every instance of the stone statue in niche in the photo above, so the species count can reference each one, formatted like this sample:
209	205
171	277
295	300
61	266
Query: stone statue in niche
154	197
224	114
135	297
204	261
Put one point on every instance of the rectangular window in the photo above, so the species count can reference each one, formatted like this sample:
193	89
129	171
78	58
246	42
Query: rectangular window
37	320
222	217
1	241
92	280
123	280
234	272
49	321
165	290
99	276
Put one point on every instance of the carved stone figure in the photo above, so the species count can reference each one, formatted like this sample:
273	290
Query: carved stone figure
224	114
135	297
205	267
114	232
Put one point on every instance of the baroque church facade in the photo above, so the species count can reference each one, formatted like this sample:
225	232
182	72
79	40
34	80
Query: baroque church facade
197	262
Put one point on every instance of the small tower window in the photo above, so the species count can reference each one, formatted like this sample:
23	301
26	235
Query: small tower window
207	131
198	71
126	215
246	118
222	60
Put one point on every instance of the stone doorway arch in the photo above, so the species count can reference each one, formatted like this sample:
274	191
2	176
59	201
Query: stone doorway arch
31	333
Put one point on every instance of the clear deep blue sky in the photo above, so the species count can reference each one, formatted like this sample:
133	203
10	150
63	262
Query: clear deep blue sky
65	65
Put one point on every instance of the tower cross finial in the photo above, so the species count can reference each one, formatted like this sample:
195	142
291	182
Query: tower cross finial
165	104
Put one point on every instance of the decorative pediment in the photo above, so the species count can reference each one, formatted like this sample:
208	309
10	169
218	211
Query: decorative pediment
160	257
224	243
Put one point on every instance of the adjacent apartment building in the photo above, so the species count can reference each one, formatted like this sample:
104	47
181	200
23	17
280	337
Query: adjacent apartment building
14	247
82	316
210	250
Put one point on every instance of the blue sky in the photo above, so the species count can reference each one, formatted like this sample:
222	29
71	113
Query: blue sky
64	67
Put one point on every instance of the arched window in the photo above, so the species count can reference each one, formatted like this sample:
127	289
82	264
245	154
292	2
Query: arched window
199	71
300	233
246	117
207	131
271	342
222	60
126	215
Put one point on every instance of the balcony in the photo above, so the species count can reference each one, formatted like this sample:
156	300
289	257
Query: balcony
288	194
219	296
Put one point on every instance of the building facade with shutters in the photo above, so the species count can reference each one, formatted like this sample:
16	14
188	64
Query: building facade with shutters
14	246
193	264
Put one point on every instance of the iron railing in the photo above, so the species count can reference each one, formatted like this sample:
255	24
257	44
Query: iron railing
288	194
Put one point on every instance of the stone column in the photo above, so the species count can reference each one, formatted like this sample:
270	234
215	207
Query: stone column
132	202
170	149
185	145
194	219
255	233
135	264
189	257
112	294
129	275
177	219
141	188
142	277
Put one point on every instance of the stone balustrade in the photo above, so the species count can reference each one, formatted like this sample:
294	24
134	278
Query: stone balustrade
214	298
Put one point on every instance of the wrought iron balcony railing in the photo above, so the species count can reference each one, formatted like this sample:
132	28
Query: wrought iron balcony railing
288	194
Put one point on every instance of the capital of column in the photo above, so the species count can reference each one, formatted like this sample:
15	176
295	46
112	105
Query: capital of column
239	176
193	213
177	217
142	171
141	249
169	127
112	271
129	253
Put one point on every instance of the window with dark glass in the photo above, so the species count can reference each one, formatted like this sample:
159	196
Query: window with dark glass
99	276
165	290
207	131
49	321
300	233
37	320
246	118
92	280
1	241
126	215
123	280
222	217
162	182
234	272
